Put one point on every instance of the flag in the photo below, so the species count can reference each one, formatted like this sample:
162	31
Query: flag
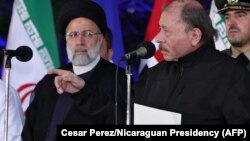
221	41
32	25
112	14
151	32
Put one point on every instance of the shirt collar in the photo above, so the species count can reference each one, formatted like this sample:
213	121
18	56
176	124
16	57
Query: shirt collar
236	53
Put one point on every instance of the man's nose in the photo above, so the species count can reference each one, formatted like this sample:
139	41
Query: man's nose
80	39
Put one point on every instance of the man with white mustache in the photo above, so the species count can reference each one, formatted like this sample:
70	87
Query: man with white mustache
84	90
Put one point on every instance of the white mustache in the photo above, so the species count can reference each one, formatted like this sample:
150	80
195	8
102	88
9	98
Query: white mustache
80	48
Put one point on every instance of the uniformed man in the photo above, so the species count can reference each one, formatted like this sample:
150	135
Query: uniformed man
237	17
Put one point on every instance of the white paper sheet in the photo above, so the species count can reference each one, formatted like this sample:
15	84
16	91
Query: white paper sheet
144	115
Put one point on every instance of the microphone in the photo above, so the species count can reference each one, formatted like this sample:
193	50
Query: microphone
22	53
144	50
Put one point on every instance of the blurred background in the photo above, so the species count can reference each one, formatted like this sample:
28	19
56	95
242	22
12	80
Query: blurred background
133	16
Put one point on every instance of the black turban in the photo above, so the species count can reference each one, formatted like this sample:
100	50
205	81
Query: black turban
81	8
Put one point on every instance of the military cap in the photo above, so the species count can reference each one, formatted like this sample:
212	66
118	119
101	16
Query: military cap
224	5
81	8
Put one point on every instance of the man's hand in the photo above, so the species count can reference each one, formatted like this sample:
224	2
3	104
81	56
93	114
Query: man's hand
66	81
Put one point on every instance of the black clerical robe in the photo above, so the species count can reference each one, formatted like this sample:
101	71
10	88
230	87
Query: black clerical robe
94	104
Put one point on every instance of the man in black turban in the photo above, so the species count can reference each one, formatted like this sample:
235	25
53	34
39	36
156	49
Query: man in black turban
82	91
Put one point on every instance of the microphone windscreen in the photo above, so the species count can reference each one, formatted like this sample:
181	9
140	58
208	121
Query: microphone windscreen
24	53
150	49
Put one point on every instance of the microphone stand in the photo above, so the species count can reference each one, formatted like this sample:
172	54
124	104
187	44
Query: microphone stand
6	112
129	74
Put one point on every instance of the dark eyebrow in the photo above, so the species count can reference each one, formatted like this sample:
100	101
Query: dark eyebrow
238	12
241	12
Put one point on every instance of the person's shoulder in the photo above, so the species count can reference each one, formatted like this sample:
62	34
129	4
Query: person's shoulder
227	51
229	63
158	70
221	56
161	65
106	62
108	65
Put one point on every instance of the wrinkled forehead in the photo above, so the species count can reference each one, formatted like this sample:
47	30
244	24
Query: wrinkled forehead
168	17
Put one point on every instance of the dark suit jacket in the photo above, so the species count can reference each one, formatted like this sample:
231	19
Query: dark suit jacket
206	87
94	104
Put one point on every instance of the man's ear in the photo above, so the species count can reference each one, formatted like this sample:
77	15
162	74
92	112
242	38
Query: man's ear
110	53
195	36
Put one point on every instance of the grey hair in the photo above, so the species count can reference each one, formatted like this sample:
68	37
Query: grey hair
194	15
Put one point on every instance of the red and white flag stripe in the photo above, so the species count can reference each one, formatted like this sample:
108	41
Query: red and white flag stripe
151	32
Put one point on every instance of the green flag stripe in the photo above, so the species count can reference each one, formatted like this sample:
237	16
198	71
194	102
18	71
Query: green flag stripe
41	30
220	26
